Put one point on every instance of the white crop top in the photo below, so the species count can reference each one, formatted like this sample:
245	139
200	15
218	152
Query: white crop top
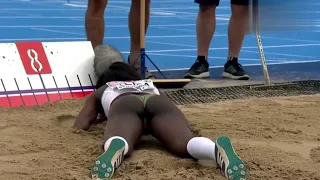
117	88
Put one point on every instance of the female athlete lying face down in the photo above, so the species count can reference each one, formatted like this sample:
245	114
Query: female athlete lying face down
134	107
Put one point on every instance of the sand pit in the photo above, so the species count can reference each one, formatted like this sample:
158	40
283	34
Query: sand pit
278	138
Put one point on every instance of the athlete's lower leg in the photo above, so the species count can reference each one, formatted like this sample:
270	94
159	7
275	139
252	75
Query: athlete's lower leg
94	21
168	125
206	25
127	126
238	27
124	120
171	128
134	28
123	130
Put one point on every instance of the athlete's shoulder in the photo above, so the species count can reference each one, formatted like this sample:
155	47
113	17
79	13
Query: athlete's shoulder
98	93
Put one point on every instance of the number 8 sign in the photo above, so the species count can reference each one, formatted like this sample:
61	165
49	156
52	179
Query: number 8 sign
34	58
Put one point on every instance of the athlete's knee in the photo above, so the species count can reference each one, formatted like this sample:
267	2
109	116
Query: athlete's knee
97	7
136	3
239	11
207	8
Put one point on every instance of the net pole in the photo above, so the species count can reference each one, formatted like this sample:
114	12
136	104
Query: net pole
255	19
142	37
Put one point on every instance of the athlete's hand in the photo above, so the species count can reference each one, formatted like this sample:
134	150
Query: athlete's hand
87	115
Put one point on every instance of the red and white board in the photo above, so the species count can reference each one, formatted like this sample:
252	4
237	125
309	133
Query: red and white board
34	73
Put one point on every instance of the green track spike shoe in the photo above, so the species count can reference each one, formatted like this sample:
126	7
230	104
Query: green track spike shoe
232	167
106	164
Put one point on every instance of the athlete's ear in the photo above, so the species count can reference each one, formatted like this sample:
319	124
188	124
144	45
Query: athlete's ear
88	114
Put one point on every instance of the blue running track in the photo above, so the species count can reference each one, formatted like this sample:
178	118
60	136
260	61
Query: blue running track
171	40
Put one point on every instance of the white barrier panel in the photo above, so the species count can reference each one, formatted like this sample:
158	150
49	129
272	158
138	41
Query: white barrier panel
33	73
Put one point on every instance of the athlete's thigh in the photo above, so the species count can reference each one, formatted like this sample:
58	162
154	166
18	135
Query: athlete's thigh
127	103
97	5
124	119
207	2
168	124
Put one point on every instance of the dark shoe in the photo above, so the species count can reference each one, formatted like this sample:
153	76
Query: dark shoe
234	70
200	69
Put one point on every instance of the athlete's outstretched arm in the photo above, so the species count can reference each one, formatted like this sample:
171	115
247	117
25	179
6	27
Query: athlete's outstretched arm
88	114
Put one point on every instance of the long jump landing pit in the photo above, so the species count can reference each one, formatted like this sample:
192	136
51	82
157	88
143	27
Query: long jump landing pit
277	137
274	129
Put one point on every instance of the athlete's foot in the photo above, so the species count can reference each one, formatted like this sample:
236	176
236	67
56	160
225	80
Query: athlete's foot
234	70
232	167
200	69
147	74
106	164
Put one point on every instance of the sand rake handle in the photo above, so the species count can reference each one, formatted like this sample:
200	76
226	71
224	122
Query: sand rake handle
142	36
143	55
255	20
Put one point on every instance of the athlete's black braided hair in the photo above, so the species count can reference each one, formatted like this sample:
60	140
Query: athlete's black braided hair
118	72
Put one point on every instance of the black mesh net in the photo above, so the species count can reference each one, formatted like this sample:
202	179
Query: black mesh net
209	95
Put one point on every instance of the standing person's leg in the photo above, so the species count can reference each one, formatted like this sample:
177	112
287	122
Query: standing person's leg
206	25
134	28
94	21
170	127
238	27
123	130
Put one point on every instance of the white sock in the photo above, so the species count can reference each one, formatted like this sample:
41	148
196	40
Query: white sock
107	143
201	148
